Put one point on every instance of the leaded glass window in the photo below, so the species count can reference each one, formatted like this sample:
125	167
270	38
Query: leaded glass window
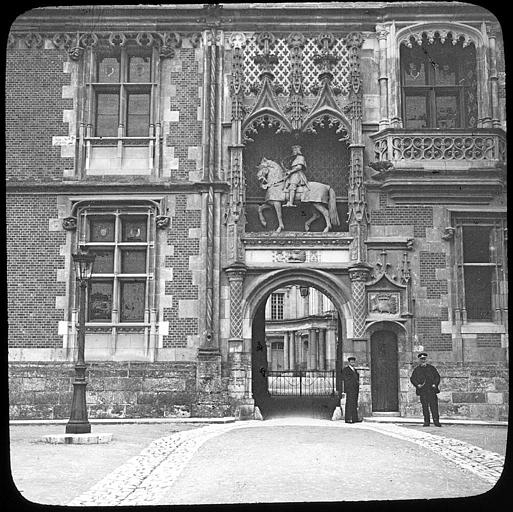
119	283
439	85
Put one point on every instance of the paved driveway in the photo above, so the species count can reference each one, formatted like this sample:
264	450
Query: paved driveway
302	460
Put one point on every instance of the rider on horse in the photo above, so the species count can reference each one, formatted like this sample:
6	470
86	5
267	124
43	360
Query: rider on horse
295	175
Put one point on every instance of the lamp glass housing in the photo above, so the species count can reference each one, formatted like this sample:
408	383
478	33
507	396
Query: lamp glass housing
83	264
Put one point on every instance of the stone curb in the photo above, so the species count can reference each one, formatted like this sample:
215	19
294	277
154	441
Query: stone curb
445	421
78	438
125	421
230	419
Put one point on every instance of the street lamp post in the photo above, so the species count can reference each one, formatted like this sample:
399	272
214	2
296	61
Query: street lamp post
78	422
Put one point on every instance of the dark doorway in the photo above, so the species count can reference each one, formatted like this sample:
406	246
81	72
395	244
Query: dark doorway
384	378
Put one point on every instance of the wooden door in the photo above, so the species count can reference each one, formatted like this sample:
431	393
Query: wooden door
384	372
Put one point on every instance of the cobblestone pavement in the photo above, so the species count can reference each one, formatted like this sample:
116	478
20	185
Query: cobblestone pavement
151	477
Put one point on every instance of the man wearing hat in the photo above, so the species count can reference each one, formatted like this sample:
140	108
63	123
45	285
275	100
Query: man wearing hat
295	175
351	380
426	379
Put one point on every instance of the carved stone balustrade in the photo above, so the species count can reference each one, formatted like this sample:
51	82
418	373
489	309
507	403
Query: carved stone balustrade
440	149
437	166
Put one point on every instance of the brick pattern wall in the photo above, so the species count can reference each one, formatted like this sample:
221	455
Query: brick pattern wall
485	340
114	390
32	262
187	132
421	217
181	287
34	114
429	262
432	337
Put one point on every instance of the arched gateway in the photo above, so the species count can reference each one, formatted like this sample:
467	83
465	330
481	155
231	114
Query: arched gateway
306	379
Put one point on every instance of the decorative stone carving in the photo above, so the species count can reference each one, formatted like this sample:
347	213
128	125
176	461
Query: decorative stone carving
382	32
62	41
384	302
195	39
162	221
69	223
381	166
448	233
296	107
293	256
445	31
75	53
170	41
359	275
144	39
33	40
236	275
117	39
237	42
88	40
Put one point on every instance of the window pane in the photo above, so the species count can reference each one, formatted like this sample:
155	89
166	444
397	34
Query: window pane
139	69
277	306
416	111
107	117
133	261
413	65
134	229
100	301
446	112
414	73
104	261
108	69
445	73
478	293
476	244
132	301
138	115
101	229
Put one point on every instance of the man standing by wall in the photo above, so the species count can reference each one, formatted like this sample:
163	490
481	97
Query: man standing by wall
351	380
426	379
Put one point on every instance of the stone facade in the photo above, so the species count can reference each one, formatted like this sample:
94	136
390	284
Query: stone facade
173	307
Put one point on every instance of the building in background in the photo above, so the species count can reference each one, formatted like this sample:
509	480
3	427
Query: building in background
158	138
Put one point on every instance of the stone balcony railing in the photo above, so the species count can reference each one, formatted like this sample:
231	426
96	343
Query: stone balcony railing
479	148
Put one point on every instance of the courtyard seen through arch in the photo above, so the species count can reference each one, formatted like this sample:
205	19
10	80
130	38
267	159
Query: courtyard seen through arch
296	346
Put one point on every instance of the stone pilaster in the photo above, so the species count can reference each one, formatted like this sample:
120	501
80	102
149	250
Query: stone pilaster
359	274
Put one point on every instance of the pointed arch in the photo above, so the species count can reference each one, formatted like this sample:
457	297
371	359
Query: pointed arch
265	117
328	117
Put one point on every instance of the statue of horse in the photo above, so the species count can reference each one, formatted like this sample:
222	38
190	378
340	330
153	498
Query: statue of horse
271	176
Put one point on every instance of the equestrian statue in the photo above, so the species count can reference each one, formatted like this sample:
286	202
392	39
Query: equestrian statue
287	183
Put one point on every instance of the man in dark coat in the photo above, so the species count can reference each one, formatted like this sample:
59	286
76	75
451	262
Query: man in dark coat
426	380
351	380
